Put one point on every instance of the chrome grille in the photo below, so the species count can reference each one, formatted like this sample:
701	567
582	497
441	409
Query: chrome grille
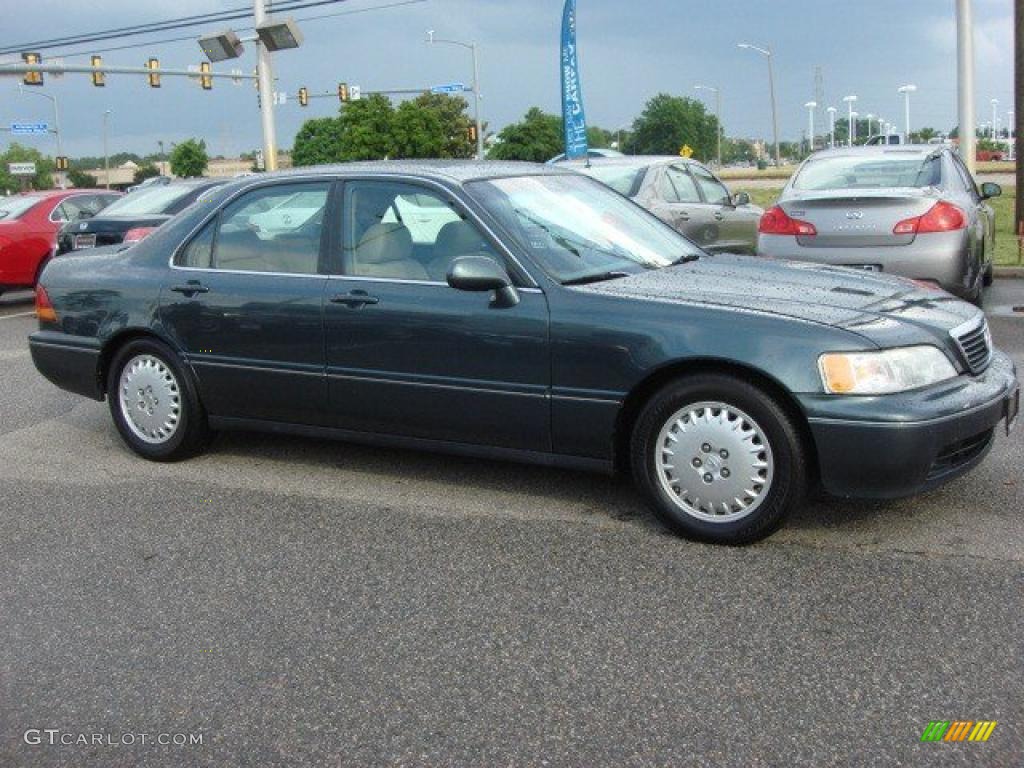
975	344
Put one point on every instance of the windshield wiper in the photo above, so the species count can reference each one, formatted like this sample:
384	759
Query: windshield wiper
597	277
684	259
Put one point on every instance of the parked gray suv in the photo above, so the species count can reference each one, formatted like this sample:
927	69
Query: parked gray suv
913	211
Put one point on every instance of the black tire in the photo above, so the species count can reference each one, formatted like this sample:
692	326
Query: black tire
789	481
191	435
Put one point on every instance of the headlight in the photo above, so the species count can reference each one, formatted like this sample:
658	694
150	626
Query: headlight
883	372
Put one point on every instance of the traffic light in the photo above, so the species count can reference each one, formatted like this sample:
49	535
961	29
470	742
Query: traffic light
153	65
343	92
98	78
60	163
303	97
472	133
204	76
32	78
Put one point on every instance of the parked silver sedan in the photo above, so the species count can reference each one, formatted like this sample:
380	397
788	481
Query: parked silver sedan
684	194
913	211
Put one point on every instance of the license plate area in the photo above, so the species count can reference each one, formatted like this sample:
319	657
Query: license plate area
85	241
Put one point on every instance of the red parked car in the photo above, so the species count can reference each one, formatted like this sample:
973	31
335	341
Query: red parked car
29	224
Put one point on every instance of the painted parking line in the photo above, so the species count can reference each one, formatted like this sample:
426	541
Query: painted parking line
18	314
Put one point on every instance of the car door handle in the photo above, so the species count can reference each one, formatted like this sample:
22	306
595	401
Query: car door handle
355	300
719	216
191	288
683	215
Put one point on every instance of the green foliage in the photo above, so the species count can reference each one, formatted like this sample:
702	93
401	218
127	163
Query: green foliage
670	122
189	158
82	180
16	153
924	135
599	138
538	138
431	125
145	171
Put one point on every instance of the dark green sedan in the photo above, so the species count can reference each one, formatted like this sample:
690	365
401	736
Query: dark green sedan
525	312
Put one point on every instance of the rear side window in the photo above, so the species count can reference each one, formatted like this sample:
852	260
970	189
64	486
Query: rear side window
273	229
677	186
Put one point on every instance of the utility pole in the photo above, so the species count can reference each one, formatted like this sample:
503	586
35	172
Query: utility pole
767	53
265	73
106	153
965	79
1018	119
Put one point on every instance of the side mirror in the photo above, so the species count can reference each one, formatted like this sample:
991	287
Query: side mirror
990	189
482	273
740	198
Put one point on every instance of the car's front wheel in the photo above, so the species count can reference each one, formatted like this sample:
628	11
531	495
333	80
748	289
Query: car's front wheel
154	403
718	460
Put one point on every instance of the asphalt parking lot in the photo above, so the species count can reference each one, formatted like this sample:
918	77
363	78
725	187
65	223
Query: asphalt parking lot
302	602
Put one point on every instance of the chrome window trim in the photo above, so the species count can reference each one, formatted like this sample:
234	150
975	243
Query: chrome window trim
342	178
62	201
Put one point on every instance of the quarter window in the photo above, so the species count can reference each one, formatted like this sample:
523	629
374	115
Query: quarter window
404	232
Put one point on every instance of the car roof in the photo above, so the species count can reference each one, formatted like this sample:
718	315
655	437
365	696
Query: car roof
457	171
54	194
875	150
629	161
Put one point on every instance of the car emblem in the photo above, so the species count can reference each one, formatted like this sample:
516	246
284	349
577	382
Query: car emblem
855	214
83	225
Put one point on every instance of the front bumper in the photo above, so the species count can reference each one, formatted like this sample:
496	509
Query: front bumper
899	445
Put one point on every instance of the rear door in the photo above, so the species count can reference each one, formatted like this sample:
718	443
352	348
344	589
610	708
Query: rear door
737	227
407	355
679	204
245	305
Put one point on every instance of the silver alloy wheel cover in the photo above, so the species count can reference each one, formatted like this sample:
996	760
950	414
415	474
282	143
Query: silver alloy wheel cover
714	462
150	399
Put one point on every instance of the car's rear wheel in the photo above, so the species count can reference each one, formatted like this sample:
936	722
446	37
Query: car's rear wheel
154	402
718	460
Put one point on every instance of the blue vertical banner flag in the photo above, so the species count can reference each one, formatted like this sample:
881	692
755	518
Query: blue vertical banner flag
573	119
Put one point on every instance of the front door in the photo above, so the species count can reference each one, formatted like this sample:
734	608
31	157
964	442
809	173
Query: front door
407	355
244	300
736	226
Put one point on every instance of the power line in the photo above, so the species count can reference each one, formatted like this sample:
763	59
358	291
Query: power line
185	38
180	23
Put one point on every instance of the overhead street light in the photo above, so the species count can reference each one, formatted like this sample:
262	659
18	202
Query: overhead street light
472	47
279	35
853	128
995	117
906	90
832	126
718	114
226	45
767	53
810	106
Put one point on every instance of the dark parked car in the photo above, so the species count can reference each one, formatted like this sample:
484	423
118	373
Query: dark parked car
684	194
548	319
133	216
913	211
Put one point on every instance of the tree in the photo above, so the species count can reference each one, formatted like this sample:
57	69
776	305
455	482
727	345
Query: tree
365	129
82	180
16	153
145	171
599	138
924	135
189	158
318	142
416	131
669	122
454	120
538	137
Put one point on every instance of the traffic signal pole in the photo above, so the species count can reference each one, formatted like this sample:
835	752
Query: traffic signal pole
265	75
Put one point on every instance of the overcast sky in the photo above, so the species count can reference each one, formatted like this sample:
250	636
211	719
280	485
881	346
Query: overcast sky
629	51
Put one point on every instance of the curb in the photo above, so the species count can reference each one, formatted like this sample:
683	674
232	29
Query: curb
1015	273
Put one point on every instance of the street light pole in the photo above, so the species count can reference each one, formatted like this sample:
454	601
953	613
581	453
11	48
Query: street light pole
718	115
476	87
853	128
995	116
906	90
106	153
810	105
850	129
832	126
870	117
265	73
767	53
56	125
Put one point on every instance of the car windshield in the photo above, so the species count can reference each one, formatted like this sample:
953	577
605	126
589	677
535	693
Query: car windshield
624	179
870	171
149	200
578	230
13	207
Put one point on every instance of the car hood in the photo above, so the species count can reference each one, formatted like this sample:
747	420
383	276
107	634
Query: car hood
887	310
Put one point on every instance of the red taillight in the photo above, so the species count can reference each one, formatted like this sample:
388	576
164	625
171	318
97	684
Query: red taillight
776	221
44	309
134	235
941	217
